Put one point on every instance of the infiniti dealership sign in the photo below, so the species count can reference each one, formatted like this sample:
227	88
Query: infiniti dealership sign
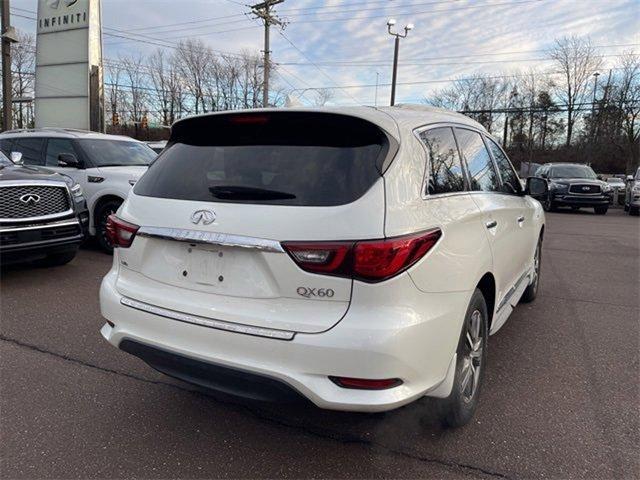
63	14
69	91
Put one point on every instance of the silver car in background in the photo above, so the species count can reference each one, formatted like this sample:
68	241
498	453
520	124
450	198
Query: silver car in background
632	196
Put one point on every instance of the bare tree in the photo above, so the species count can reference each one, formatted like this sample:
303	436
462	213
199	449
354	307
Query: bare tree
626	96
22	65
577	61
477	96
322	96
137	90
194	64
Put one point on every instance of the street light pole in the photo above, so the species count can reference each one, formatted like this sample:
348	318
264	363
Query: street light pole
396	49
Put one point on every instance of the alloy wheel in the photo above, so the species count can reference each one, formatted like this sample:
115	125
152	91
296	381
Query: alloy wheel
472	357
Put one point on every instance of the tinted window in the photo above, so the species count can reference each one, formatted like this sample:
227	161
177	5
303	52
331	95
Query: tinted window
572	171
115	153
5	145
56	146
483	174
4	161
510	180
31	149
444	168
281	158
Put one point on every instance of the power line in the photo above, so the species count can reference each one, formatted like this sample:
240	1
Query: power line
311	61
467	7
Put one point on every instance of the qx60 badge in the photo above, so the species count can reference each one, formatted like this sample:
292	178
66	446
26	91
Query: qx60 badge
30	198
204	217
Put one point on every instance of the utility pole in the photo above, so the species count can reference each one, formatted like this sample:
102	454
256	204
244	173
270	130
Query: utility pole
514	94
396	49
8	37
263	11
375	99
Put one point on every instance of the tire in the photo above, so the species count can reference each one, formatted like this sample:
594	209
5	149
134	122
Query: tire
458	409
57	259
635	211
102	214
601	210
531	291
548	205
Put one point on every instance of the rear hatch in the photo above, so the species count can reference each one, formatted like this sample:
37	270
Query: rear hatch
229	188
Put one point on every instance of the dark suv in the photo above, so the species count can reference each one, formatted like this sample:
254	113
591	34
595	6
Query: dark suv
43	215
574	185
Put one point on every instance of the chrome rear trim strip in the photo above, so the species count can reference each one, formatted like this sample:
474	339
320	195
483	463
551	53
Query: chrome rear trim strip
212	238
208	322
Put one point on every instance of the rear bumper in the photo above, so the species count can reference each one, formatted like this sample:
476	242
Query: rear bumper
569	200
385	338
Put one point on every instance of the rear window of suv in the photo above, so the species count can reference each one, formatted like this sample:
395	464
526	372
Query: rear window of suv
288	158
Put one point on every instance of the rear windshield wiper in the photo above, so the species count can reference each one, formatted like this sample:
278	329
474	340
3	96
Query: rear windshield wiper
234	192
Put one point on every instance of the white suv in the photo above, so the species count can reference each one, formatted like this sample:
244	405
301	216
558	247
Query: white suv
357	257
105	166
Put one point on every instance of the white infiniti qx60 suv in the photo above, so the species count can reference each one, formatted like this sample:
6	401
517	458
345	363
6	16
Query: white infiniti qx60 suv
357	257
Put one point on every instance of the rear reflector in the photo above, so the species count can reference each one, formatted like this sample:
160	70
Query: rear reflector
366	384
119	232
367	260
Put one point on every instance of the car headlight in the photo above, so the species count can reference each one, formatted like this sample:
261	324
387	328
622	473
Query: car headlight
636	189
76	191
561	187
606	187
74	188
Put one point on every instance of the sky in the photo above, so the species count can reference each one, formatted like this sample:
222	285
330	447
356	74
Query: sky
343	45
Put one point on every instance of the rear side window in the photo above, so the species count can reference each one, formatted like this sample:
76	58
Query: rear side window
482	173
288	158
444	171
510	180
31	149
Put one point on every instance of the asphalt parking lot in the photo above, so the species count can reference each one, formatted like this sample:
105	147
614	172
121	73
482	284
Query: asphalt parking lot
561	397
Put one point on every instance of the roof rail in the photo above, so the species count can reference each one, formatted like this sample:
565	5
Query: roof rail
48	129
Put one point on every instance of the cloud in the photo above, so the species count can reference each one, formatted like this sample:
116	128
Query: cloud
354	32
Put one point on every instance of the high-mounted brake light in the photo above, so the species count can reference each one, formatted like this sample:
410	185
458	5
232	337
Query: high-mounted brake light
244	119
119	232
367	260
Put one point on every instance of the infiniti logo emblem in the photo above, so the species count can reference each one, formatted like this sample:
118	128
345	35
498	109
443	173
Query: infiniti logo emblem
30	198
586	188
205	217
56	3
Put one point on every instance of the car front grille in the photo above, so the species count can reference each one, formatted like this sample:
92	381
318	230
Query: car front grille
584	188
32	201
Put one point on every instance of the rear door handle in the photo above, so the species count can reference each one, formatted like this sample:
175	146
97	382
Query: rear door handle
492	224
521	219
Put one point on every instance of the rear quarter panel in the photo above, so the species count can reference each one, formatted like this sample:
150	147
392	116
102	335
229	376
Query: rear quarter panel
462	256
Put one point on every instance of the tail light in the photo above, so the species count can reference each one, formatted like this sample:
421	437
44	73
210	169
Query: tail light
119	232
367	260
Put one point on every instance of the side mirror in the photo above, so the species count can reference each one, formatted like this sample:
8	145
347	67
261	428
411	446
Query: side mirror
542	175
599	177
16	157
537	187
68	160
